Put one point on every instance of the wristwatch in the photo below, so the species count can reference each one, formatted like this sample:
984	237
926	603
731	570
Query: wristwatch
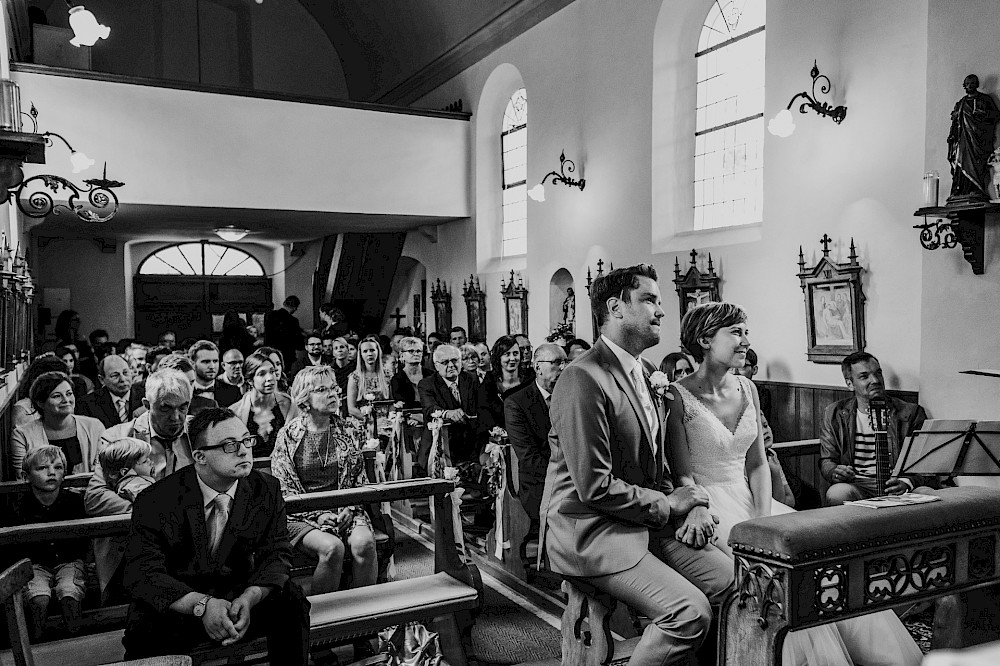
199	608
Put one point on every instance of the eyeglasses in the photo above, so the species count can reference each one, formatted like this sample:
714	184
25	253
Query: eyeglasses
562	364
233	446
450	361
325	390
413	351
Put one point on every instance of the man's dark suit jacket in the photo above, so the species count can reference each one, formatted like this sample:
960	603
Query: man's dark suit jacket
225	394
168	550
463	438
283	332
528	427
100	406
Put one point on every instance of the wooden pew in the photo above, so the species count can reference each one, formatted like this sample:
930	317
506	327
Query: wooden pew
515	521
448	599
814	567
801	458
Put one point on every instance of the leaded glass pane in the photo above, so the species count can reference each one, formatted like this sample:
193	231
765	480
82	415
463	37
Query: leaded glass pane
514	161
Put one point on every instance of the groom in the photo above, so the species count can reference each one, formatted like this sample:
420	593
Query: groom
611	502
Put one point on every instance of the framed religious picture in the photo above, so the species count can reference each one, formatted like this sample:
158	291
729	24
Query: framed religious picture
835	315
441	298
516	301
694	287
475	308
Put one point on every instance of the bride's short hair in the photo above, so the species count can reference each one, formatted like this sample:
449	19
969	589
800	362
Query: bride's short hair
704	321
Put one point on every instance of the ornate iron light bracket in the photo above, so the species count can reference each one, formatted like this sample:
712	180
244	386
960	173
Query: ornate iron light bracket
40	203
837	114
561	177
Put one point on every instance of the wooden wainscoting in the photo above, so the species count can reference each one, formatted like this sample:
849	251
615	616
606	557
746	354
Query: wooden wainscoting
797	409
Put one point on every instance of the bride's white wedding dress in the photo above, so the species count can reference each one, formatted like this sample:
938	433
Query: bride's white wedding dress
718	458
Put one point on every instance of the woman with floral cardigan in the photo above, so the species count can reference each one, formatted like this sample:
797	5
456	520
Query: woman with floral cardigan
319	451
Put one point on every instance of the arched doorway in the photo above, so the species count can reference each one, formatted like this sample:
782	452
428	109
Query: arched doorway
188	287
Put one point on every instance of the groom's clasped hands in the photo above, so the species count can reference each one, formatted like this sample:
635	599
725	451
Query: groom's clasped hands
698	528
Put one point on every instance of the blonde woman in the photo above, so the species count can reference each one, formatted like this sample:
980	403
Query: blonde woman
368	378
318	451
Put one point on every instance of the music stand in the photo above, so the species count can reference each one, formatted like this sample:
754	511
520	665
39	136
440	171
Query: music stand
952	448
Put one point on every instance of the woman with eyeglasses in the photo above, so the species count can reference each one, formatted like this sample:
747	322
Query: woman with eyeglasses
318	451
368	377
504	378
403	385
263	407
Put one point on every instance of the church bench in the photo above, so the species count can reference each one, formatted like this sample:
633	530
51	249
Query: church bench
814	567
453	594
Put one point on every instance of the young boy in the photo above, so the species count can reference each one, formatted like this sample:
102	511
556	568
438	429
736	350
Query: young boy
58	565
127	467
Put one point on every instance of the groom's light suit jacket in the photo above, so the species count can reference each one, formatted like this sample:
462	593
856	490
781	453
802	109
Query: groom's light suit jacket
604	482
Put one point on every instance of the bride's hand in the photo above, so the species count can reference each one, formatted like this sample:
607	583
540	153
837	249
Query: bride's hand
698	528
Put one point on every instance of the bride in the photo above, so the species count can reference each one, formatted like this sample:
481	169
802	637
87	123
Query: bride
716	442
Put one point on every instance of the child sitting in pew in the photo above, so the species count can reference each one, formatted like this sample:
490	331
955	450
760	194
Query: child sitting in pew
58	565
127	467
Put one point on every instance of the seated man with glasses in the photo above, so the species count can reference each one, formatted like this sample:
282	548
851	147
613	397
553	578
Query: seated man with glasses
453	392
526	413
208	553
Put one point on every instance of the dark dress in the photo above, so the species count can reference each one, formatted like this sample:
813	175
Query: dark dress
403	390
71	447
491	401
263	450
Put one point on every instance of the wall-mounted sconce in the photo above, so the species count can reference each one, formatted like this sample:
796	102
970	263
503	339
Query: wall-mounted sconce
231	233
782	124
86	29
35	196
538	191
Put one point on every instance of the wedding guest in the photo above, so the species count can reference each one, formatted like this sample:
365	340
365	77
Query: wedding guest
181	363
526	354
204	356
403	385
506	376
235	334
434	340
470	361
135	354
127	466
457	336
454	394
58	565
484	359
676	365
114	401
67	332
575	347
263	408
24	410
314	355
167	339
81	385
278	359
368	377
77	436
342	364
319	451
334	321
232	368
328	346
282	330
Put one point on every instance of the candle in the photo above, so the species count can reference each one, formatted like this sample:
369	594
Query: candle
931	188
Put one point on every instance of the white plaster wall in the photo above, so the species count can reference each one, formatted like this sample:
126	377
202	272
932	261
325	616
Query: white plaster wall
186	148
589	73
959	313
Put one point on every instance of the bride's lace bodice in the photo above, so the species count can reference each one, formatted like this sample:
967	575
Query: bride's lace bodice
718	456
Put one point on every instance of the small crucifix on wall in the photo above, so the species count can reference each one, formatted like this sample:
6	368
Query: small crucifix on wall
399	317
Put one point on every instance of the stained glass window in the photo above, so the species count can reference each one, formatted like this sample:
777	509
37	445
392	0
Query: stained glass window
514	162
201	259
729	124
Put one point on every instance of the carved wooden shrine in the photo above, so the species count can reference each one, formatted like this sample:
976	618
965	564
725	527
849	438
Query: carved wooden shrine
475	308
590	281
694	287
835	305
814	567
515	298
441	298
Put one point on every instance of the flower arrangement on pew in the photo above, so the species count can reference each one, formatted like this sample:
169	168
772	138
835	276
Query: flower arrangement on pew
495	470
437	459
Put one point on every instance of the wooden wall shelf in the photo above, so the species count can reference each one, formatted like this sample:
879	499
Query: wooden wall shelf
965	226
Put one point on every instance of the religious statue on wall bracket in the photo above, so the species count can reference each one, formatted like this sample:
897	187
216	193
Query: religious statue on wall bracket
516	304
694	287
835	313
475	308
441	298
590	281
970	143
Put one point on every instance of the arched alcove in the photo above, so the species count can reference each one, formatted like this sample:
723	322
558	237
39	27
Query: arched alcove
562	300
411	276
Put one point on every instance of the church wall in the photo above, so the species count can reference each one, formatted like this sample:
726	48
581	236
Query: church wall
959	313
589	73
186	148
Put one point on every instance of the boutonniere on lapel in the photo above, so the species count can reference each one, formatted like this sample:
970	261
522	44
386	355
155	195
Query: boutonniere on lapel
659	382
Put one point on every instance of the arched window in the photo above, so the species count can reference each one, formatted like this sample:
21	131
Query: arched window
514	164
729	126
202	258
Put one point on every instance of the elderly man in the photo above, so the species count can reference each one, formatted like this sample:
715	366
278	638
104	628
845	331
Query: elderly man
168	396
847	440
114	401
232	368
204	356
450	391
208	554
526	413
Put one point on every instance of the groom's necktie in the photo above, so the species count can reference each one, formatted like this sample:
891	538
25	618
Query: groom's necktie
639	380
